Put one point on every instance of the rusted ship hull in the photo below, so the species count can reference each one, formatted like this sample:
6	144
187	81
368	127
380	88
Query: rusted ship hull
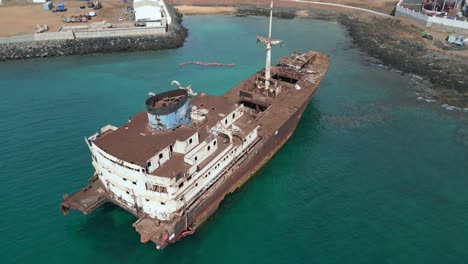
275	114
257	158
237	176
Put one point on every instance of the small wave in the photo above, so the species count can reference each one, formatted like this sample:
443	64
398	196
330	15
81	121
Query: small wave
452	108
416	76
428	100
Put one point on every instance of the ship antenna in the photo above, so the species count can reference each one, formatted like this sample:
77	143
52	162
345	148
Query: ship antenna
269	42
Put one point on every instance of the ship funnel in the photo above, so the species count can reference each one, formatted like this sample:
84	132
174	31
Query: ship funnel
168	110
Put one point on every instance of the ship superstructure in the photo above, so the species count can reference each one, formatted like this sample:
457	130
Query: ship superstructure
172	164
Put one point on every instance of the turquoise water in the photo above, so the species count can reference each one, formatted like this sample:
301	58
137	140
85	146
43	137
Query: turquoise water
371	175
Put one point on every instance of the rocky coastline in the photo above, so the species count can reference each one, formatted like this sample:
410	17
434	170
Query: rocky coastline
447	74
385	39
174	38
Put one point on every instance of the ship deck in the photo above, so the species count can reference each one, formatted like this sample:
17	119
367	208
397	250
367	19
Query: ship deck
286	103
136	142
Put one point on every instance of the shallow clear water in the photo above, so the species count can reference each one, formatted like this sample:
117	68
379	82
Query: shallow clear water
371	175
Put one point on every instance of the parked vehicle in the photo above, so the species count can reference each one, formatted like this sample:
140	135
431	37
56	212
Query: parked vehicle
457	40
97	6
48	6
61	7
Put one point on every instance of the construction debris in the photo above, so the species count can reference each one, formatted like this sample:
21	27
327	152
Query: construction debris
41	28
76	19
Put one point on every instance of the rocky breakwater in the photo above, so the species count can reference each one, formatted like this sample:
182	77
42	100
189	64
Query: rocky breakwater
174	38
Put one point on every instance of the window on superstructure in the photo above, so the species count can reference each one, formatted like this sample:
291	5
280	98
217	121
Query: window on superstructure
190	141
181	185
148	164
214	143
208	148
124	179
127	192
189	178
163	203
225	121
196	158
134	182
160	155
147	200
233	115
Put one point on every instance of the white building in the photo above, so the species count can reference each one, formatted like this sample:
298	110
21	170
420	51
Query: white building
152	12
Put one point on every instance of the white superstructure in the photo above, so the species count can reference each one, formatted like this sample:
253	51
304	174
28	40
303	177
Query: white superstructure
197	159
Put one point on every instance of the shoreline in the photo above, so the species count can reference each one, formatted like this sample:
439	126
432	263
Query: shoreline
393	41
28	46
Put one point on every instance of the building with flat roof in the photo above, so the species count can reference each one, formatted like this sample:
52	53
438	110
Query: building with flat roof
150	13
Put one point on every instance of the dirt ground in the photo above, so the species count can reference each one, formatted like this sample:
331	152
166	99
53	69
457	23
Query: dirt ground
33	14
385	6
22	18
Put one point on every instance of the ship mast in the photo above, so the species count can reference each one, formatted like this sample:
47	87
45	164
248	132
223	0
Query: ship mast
269	43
